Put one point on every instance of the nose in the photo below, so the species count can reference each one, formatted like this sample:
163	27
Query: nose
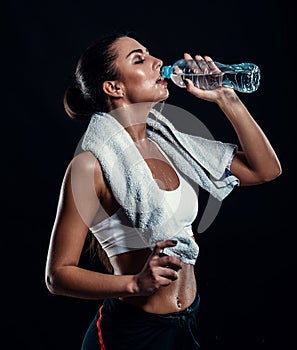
158	64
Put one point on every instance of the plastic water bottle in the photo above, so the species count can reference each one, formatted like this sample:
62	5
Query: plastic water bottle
243	77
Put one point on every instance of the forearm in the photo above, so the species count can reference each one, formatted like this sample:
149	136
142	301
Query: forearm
85	284
259	154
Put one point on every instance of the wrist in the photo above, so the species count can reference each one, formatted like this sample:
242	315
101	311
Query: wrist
227	97
132	286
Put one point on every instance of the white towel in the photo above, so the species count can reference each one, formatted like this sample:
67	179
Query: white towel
131	181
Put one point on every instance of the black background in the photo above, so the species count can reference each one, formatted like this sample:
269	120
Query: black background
246	266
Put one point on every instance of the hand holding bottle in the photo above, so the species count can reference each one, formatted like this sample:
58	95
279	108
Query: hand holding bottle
203	66
207	74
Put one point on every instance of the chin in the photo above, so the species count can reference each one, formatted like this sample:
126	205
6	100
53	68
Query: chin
164	98
160	100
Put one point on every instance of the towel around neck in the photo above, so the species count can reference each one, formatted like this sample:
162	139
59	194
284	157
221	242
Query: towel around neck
204	161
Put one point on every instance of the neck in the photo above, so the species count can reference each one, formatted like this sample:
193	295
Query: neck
137	132
133	118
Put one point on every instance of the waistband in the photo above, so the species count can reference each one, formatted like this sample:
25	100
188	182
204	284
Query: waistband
119	307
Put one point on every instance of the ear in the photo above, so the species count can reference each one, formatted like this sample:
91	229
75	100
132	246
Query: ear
113	88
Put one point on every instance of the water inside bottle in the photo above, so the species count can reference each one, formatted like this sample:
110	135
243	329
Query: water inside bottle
243	77
243	81
202	81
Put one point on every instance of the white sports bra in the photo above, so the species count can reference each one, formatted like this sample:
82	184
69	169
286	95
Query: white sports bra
116	235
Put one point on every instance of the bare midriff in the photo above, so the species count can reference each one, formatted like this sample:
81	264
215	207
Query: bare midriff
172	298
179	294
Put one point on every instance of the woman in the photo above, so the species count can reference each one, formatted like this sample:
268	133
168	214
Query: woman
150	298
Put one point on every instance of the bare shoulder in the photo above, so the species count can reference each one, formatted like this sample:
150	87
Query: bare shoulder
87	163
85	168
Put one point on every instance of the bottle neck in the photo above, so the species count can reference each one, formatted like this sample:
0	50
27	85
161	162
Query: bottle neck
166	72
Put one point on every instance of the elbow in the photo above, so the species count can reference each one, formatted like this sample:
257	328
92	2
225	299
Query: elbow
278	172
52	283
272	174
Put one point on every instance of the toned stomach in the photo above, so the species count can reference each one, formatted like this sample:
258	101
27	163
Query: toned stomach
172	298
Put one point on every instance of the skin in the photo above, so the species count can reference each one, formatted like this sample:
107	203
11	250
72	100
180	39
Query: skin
156	283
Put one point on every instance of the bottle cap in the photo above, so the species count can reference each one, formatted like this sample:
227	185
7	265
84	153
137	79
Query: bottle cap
166	71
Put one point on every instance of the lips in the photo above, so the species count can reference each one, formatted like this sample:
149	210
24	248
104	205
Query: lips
161	80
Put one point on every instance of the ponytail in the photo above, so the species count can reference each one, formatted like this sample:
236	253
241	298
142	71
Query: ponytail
76	105
96	65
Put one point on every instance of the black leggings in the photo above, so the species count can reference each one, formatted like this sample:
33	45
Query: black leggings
122	326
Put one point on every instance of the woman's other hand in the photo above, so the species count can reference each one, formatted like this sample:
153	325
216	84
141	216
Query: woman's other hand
159	270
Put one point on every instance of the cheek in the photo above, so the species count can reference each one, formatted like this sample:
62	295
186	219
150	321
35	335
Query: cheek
139	78
142	87
140	84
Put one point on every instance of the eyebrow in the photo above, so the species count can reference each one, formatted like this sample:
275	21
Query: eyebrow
136	50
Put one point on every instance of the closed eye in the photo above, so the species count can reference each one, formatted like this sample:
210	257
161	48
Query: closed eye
139	61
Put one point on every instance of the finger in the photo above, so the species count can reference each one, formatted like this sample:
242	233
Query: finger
163	244
202	64
190	86
187	56
167	274
177	70
212	66
164	282
192	64
208	59
170	262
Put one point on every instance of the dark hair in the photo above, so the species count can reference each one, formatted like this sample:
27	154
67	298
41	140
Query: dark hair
86	96
96	65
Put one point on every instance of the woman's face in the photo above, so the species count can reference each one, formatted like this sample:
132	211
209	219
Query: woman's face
140	72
